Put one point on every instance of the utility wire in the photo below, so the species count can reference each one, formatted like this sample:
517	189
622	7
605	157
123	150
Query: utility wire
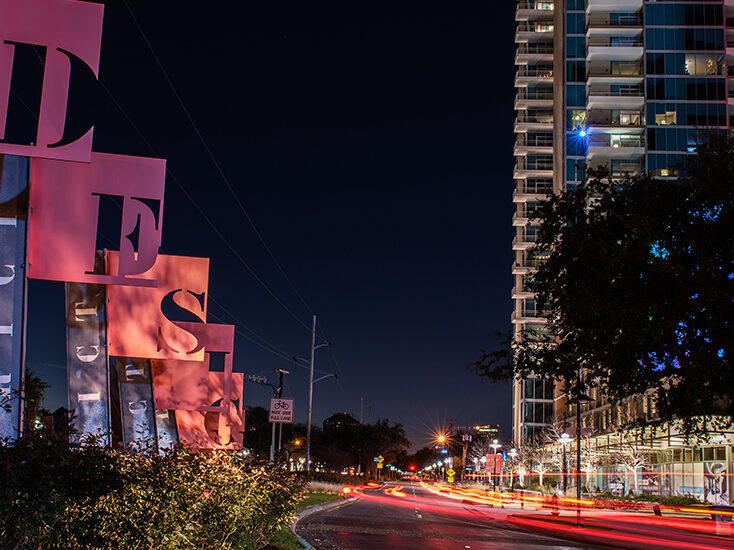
221	173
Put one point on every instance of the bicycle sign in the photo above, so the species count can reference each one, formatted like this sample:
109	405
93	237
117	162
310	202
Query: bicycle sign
281	411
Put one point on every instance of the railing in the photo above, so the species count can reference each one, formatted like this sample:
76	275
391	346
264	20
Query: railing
619	143
542	72
535	27
617	20
535	165
618	42
535	95
536	47
619	69
537	5
535	189
622	91
542	119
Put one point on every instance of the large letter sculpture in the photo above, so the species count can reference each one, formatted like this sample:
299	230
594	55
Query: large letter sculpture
13	215
208	403
144	322
66	201
65	35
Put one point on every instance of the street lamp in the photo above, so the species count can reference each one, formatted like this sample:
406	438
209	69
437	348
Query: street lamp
494	446
577	400
564	440
311	381
513	454
483	460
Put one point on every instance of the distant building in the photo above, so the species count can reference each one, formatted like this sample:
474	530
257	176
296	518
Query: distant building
488	431
339	420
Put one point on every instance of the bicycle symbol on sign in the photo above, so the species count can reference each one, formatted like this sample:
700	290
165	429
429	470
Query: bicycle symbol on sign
284	405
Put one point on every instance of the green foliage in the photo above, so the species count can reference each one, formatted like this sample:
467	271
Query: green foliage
667	501
638	288
54	495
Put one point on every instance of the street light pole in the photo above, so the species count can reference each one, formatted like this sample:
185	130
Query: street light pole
564	440
494	446
513	454
578	399
310	396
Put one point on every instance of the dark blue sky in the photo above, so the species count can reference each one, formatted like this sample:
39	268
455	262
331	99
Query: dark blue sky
371	146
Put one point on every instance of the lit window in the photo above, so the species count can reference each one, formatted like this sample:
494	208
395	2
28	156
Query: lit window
670	117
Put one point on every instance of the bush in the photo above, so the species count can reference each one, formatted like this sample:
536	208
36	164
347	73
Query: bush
54	495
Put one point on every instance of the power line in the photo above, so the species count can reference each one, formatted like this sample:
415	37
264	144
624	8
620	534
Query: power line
220	170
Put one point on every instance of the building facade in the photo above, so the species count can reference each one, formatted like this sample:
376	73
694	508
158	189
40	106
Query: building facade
628	85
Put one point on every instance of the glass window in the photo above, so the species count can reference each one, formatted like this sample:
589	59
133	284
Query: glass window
576	23
720	453
529	387
666	119
708	453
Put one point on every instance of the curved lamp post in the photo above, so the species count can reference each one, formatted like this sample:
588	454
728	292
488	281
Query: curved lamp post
512	454
494	446
564	440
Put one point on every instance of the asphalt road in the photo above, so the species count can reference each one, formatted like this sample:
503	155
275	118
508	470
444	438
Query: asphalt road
412	518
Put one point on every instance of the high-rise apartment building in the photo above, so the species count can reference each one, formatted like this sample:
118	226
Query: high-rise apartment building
625	84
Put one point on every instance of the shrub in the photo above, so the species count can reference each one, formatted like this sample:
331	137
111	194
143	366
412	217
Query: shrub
55	495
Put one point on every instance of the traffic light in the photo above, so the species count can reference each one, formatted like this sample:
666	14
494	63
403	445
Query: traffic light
411	468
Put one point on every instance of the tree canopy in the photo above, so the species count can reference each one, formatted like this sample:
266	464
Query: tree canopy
638	289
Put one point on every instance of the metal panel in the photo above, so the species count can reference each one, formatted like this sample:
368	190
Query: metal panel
87	366
136	403
13	216
69	32
65	207
138	321
217	428
165	422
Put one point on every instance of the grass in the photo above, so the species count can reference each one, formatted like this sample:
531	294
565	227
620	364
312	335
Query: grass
284	539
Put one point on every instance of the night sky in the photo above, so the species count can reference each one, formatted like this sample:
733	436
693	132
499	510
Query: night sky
371	146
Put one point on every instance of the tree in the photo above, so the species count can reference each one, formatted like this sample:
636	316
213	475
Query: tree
363	441
631	457
638	288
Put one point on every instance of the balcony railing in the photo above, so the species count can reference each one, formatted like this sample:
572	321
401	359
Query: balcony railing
536	5
541	72
540	165
616	42
535	47
531	189
617	20
535	27
621	91
537	119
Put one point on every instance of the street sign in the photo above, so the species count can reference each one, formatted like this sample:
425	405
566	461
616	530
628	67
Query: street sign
377	459
281	411
379	465
380	459
450	472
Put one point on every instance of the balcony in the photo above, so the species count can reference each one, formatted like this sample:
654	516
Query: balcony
534	52
614	49
525	191
616	147
525	170
532	10
615	97
531	74
529	316
613	24
525	146
613	6
614	74
533	31
525	123
523	243
519	293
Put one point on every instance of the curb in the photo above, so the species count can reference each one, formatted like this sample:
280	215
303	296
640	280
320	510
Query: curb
312	510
